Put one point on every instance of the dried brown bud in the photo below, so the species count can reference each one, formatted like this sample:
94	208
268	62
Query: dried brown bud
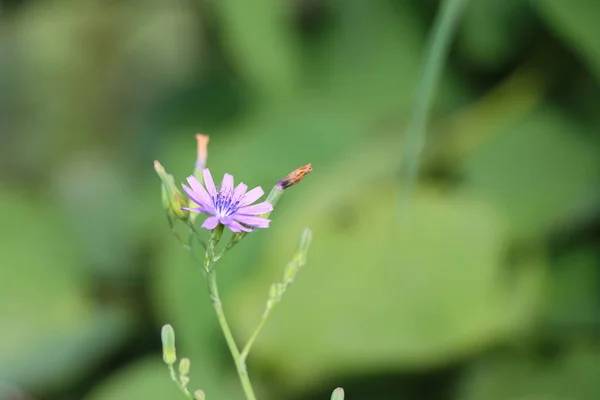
295	176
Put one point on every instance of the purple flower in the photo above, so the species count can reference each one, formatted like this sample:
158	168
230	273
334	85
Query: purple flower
228	205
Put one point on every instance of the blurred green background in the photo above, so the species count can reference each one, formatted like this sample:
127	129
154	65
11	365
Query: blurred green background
488	289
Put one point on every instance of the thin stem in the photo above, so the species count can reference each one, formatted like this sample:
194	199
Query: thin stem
444	26
213	291
183	389
259	328
197	234
239	361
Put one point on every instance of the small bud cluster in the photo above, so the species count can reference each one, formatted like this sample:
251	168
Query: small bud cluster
291	269
182	380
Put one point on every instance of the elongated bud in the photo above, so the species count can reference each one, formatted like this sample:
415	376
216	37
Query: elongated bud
199	395
202	155
290	179
295	176
167	336
338	394
172	198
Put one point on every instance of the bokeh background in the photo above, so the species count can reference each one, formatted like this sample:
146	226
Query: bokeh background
487	289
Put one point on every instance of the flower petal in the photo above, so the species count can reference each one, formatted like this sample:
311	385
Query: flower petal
195	184
227	184
252	196
208	181
240	190
211	223
254	221
256	209
197	193
234	225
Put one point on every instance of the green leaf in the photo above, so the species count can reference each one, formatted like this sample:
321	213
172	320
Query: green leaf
571	299
569	376
379	293
577	23
48	325
537	170
492	32
369	59
149	378
261	43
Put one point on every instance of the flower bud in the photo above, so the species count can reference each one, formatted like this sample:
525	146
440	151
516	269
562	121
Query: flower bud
172	198
185	380
338	394
273	292
167	336
202	154
290	179
199	395
184	366
295	176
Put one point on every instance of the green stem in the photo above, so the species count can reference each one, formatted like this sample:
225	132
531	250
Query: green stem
213	290
183	389
444	26
237	358
259	328
197	234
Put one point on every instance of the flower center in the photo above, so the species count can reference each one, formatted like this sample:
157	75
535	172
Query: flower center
226	202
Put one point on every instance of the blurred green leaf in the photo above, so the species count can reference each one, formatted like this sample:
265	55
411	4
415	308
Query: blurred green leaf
149	378
572	296
65	357
369	59
35	249
377	292
569	376
492	32
108	61
47	321
577	23
537	170
261	43
97	205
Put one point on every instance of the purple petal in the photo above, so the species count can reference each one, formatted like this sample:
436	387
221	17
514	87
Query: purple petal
211	222
252	196
227	184
197	193
234	225
195	184
257	222
210	184
260	208
240	190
